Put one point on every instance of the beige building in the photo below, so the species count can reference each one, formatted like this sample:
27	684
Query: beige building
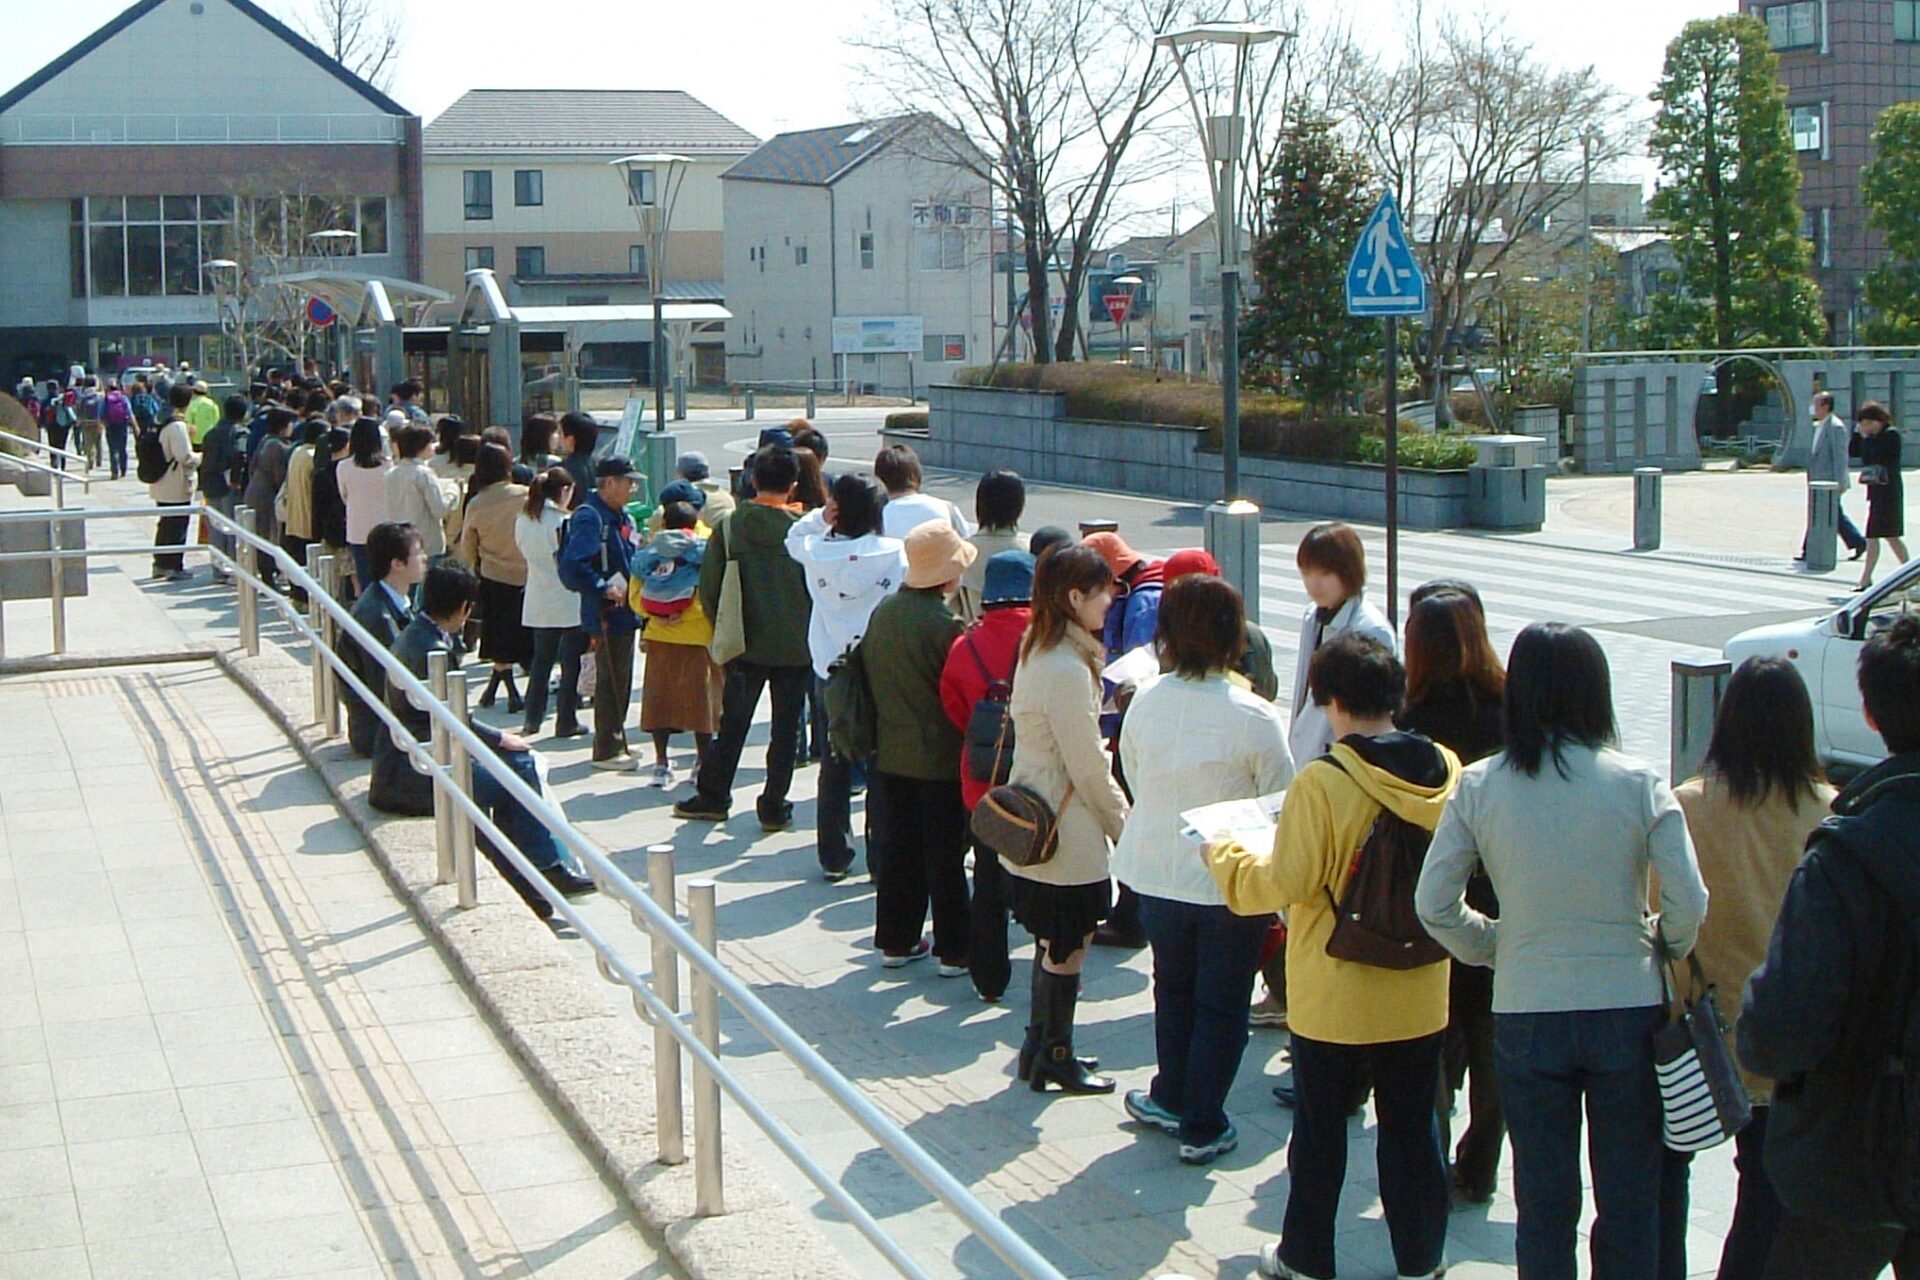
521	181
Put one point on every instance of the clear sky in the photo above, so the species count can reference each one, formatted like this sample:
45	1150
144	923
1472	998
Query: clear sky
771	65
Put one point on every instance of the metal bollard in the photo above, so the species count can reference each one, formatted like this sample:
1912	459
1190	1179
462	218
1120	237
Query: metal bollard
249	603
442	754
330	632
812	402
749	404
1697	689
679	398
1646	508
1823	526
1090	527
57	582
667	1105
1233	536
709	1194
466	886
319	655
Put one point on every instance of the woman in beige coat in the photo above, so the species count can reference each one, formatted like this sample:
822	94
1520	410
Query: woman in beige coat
1058	752
487	544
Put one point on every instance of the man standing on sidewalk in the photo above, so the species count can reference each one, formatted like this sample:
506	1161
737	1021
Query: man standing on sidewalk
1827	460
174	488
218	453
596	562
776	611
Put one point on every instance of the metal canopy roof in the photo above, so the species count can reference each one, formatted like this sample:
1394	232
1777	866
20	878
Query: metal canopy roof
560	317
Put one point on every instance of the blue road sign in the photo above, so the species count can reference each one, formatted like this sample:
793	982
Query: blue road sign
1382	277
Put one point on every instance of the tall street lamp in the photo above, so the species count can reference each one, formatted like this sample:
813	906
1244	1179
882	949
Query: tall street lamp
1205	56
652	181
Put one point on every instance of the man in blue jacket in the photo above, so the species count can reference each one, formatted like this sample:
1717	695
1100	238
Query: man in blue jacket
596	561
1833	1016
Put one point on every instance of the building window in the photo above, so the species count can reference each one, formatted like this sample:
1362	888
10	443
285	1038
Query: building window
1796	25
478	256
1808	124
640	186
944	348
530	261
799	255
476	187
529	187
943	249
865	240
77	248
373	226
637	260
1816	226
1906	20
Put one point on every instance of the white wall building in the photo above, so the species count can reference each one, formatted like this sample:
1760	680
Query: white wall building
855	253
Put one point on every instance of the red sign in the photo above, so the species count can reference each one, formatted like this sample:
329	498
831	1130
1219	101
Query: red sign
319	313
1117	305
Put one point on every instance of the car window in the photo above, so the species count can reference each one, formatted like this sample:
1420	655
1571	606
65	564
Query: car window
1894	605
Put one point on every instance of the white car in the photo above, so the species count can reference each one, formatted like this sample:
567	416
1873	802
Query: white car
1826	652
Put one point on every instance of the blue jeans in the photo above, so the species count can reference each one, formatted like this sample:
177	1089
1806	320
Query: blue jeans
550	644
1204	959
1549	1065
116	451
1412	1170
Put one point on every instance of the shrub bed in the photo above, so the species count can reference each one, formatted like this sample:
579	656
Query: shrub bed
907	420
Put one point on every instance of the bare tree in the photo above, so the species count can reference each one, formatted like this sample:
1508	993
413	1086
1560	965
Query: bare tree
1050	98
1483	144
271	236
364	36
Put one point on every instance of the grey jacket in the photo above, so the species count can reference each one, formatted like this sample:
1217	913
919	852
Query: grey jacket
1827	459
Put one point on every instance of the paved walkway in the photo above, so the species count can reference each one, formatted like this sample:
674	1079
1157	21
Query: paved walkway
226	1049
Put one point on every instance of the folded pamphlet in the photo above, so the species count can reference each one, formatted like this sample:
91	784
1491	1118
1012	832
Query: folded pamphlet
1250	822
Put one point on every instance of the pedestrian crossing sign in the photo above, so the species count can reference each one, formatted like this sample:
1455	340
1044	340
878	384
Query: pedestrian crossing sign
1382	277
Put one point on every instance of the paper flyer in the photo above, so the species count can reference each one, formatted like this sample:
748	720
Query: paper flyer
1251	822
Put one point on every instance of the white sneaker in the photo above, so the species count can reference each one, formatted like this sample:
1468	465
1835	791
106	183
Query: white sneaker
662	776
1434	1274
1270	1264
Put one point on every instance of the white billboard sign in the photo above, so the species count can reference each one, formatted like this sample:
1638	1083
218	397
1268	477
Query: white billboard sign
878	335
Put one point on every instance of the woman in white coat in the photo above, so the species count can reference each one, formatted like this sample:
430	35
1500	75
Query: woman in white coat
549	610
1333	567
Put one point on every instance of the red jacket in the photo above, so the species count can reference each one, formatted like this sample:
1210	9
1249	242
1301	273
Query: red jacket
997	638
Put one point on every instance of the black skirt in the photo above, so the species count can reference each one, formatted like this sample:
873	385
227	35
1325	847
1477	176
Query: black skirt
1886	510
503	638
1059	916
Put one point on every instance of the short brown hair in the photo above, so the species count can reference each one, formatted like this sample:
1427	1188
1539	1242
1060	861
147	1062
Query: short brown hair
1874	411
412	440
1335	548
1202	627
898	467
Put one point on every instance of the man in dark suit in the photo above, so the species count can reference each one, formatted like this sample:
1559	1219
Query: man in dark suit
399	555
446	598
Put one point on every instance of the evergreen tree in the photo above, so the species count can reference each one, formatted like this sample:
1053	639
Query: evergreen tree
1319	194
1891	185
1730	193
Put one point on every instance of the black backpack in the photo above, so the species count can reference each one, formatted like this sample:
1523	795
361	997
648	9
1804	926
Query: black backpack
989	736
853	721
1374	922
150	462
237	469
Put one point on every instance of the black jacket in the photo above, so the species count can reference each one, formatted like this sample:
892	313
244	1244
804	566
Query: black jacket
329	511
396	786
1823	1013
376	611
217	456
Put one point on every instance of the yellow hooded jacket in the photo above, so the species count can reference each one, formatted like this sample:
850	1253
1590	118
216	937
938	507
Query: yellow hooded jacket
1328	812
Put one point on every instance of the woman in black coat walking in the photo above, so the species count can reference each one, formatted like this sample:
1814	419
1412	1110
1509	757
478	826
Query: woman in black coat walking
1877	444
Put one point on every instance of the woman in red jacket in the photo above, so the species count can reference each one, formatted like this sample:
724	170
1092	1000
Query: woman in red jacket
981	662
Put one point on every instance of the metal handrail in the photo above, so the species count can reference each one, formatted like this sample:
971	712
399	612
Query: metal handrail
653	917
44	447
86	481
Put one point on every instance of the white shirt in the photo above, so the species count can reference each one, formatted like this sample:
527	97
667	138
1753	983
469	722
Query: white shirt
363	491
909	511
1308	734
1186	743
547	602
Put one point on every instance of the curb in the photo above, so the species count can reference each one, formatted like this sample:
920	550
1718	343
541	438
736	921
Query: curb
596	1069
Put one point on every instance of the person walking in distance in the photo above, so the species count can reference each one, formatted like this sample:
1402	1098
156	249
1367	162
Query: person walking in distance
173	485
1352	1020
116	417
1827	460
597	565
850	568
1832	1015
775	615
1059	753
1877	445
551	612
918	757
1194	737
1577	992
980	667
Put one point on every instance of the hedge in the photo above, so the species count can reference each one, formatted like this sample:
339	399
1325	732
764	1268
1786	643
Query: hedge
907	420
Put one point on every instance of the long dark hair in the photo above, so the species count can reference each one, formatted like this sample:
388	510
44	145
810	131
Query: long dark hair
1447	643
858	501
364	442
546	487
1763	735
1559	691
493	466
1058	575
810	491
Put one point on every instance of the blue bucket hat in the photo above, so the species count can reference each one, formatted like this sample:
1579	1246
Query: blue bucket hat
1009	579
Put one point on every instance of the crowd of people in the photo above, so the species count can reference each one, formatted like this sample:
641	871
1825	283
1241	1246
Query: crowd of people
1468	886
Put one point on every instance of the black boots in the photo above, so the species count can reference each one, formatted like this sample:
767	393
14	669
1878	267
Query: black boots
1054	1062
515	705
1030	1047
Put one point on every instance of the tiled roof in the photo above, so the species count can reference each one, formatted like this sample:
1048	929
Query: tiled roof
591	120
815	157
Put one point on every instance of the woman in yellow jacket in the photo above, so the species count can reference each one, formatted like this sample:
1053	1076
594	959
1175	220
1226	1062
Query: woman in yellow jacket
1348	1019
680	685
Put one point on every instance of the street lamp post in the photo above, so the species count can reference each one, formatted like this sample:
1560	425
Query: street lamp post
1233	523
652	181
216	269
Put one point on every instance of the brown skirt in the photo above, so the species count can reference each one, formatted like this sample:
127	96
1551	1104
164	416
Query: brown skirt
680	690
